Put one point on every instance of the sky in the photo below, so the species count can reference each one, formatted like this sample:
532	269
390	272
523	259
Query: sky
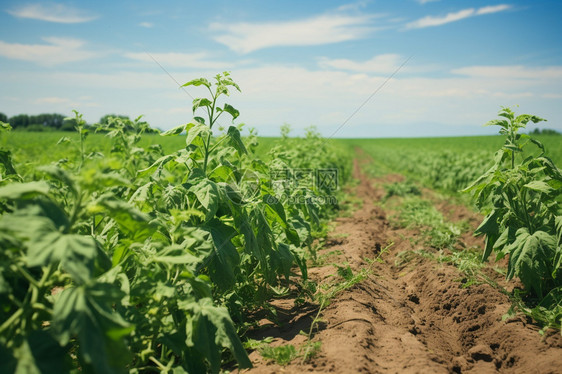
403	68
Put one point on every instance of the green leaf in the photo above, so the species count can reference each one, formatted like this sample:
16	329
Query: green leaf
60	175
40	353
6	160
86	313
224	260
498	122
5	127
235	140
175	131
222	173
207	192
539	186
195	130
75	253
211	329
130	219
198	82
275	212
29	190
490	228
229	82
201	102
46	244
156	166
282	260
230	110
529	256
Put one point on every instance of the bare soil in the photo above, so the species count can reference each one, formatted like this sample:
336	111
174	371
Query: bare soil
410	316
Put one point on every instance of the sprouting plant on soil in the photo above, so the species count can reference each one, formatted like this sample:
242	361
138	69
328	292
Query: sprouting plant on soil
525	220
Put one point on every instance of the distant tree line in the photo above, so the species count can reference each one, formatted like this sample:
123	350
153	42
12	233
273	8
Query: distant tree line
53	122
538	131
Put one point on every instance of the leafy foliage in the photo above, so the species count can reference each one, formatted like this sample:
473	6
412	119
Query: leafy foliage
141	261
524	222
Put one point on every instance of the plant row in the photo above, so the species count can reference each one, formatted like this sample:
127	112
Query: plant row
140	261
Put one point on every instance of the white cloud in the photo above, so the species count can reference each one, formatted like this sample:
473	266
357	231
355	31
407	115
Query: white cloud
514	72
52	100
352	6
57	51
52	12
458	102
197	60
385	63
431	21
493	9
247	37
147	25
65	103
422	2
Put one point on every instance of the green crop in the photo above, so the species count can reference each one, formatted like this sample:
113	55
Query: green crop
130	259
525	222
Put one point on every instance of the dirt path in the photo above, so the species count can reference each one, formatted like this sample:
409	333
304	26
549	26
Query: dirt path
410	318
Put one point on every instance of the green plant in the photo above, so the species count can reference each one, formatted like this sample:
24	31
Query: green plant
282	354
415	212
525	221
132	259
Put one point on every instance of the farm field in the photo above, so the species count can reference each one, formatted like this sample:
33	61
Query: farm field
280	188
388	280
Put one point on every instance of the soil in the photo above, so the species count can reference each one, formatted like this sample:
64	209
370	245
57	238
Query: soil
412	314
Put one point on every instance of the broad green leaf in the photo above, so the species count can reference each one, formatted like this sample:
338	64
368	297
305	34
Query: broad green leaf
198	82
224	260
60	175
538	186
86	313
40	353
201	102
47	245
4	127
6	161
282	260
230	110
175	131
156	166
29	190
529	257
195	130
207	193
222	173
209	330
275	212
130	219
235	140
76	253
497	122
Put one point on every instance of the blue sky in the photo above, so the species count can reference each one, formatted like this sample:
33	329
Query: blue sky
298	62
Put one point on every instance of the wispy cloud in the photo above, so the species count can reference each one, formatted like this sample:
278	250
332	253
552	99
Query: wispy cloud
64	102
57	51
492	9
199	60
52	12
431	21
147	25
385	63
512	72
247	37
422	2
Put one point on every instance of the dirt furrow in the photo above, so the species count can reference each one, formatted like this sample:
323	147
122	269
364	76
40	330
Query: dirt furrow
407	317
